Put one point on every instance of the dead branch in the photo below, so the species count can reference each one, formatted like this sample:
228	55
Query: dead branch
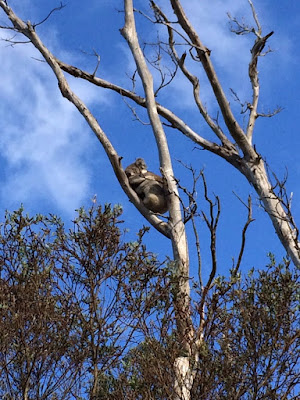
174	120
256	51
248	222
233	127
253	75
166	74
191	209
212	224
135	114
251	165
27	30
49	15
162	18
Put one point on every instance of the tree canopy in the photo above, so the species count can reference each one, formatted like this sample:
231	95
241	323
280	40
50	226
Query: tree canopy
85	314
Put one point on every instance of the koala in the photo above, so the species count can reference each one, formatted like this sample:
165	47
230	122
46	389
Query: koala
148	186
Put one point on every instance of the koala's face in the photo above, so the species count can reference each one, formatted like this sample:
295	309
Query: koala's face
141	165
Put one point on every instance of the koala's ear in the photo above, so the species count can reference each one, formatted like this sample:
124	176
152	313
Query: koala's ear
140	163
137	167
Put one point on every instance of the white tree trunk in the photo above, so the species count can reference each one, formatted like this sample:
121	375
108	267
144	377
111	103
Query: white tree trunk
182	368
257	176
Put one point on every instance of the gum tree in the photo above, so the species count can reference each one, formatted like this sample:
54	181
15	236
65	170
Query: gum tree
232	143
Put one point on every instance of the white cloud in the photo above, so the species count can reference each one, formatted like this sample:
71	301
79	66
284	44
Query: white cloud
43	137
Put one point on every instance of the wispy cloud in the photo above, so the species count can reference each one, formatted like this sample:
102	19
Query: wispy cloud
43	137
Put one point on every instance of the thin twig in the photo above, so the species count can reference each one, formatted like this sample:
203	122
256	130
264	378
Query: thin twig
248	222
50	13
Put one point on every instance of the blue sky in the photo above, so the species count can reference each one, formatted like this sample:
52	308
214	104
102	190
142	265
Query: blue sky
51	162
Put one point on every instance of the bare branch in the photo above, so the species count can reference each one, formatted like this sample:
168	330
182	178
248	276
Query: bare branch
129	33
98	63
156	64
256	51
248	222
212	223
190	210
253	75
286	201
174	120
192	78
270	114
12	41
233	127
50	13
134	112
255	17
257	175
237	27
251	165
197	243
28	31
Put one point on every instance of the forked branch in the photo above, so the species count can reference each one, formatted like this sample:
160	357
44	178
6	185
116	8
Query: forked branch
28	30
204	56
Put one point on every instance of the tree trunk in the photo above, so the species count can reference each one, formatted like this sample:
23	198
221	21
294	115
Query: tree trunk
181	293
257	176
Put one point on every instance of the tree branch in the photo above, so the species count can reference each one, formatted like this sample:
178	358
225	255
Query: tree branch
233	127
27	30
192	78
177	123
248	222
253	75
